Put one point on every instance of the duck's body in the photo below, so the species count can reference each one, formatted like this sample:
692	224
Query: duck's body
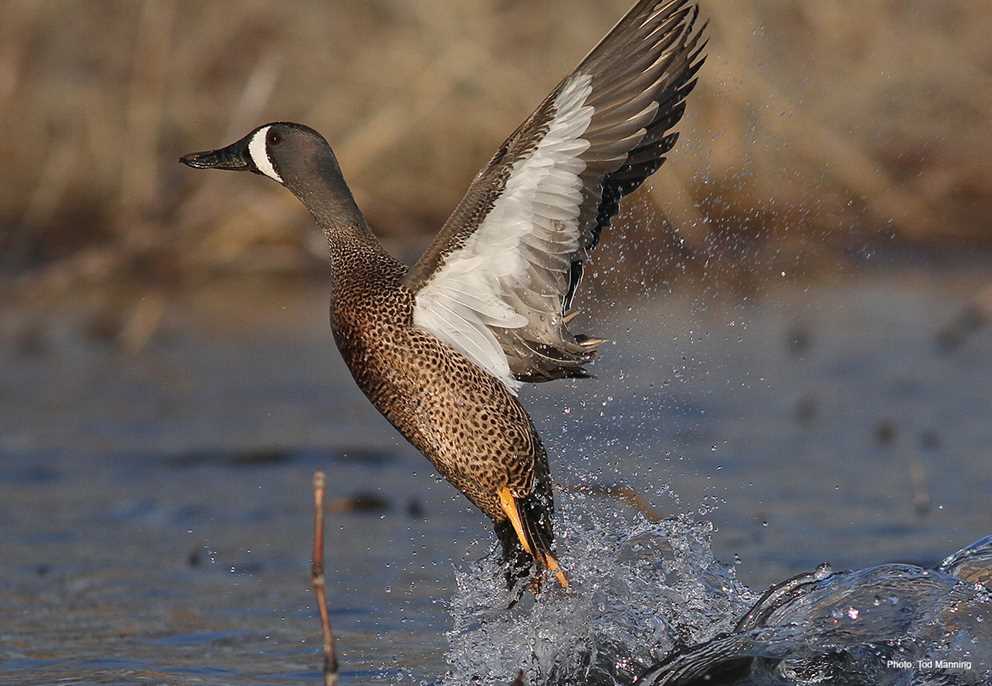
442	349
465	421
470	426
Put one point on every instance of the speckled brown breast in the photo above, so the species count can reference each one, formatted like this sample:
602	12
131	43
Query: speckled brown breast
462	419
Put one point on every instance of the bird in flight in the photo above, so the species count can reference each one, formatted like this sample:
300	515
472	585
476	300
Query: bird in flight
442	349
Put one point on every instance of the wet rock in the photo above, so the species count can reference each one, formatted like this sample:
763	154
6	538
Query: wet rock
885	432
966	324
260	457
364	456
253	457
360	501
415	510
33	474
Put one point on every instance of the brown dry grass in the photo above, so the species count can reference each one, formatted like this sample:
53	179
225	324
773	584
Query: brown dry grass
811	118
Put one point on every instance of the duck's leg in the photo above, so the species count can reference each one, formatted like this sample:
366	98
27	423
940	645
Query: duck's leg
522	515
517	562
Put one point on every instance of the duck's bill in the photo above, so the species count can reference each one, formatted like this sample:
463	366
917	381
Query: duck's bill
234	157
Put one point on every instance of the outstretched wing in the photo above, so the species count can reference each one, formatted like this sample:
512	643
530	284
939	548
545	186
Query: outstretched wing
498	280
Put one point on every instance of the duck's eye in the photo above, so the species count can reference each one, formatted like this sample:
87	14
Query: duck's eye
274	138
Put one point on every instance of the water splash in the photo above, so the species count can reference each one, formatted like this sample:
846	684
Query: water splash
653	594
893	624
639	589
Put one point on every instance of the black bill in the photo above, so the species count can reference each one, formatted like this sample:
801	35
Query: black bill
235	157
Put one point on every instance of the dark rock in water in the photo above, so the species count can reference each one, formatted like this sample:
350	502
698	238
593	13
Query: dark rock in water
32	474
261	457
361	501
891	624
415	509
885	432
967	323
254	457
269	456
364	456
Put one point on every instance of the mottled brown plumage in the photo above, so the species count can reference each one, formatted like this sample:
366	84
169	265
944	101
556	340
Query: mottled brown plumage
440	350
463	420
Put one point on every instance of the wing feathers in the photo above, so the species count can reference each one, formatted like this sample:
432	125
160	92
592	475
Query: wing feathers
498	279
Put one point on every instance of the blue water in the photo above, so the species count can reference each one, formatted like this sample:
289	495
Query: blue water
155	507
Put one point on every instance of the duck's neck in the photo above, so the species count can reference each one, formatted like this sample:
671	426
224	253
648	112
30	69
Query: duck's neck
334	209
330	202
360	267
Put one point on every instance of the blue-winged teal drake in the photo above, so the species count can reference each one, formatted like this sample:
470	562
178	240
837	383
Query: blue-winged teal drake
441	349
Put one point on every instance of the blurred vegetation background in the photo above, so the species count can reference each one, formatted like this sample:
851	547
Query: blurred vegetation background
816	129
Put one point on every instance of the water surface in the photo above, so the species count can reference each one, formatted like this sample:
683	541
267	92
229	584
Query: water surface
155	508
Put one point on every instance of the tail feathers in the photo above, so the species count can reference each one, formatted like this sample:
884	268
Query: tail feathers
563	357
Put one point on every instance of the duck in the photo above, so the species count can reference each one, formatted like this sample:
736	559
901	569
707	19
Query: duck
443	348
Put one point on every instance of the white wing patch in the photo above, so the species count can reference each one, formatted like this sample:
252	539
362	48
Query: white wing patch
538	209
260	154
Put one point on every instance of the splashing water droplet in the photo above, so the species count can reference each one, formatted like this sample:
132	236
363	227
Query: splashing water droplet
638	588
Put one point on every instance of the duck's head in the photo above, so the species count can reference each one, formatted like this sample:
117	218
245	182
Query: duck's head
283	151
297	157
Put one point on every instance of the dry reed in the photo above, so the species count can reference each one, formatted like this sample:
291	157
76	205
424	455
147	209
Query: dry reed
813	121
318	581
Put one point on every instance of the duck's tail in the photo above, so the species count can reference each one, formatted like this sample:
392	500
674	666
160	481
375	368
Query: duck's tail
527	534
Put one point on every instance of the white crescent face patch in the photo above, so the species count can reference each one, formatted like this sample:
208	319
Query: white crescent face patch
260	154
